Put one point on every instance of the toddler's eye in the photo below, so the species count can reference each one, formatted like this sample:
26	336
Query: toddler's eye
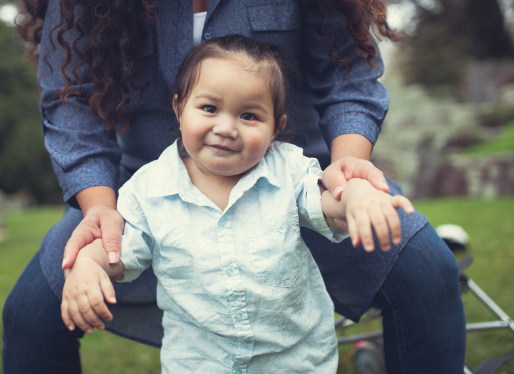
210	109
248	117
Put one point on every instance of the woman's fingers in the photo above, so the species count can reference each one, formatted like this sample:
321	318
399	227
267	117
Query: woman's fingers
84	233
112	228
366	170
101	222
335	176
334	180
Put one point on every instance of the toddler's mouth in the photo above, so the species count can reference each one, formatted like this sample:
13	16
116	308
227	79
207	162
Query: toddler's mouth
223	148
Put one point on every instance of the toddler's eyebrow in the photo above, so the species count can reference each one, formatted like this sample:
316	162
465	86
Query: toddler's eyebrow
255	106
209	97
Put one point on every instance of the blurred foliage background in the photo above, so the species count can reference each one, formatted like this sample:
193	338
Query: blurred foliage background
24	162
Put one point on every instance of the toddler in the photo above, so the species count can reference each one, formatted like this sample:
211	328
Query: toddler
218	217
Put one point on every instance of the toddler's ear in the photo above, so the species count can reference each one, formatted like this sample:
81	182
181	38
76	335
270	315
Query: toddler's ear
282	122
281	125
174	103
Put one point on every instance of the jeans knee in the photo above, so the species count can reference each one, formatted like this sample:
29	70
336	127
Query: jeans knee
17	317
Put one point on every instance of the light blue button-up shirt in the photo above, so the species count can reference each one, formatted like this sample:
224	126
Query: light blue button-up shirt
240	291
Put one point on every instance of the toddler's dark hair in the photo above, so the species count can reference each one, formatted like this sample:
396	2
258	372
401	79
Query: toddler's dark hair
269	62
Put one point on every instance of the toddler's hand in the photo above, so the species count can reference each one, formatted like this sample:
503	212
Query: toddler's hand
368	207
83	296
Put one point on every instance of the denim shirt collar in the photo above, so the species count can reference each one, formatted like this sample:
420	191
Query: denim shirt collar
170	176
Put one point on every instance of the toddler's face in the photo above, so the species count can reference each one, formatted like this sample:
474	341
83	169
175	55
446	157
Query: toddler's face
228	123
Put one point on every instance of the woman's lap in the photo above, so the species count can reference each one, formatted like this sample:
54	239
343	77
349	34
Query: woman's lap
423	315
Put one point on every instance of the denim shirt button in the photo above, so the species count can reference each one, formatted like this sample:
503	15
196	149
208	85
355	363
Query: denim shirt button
222	221
238	317
207	36
229	272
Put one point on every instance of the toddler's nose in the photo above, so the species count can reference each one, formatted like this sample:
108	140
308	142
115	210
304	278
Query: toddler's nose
226	127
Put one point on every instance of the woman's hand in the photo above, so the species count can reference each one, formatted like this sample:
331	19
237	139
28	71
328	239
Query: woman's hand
87	284
335	176
101	220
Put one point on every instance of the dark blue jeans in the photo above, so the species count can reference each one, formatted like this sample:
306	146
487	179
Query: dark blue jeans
423	317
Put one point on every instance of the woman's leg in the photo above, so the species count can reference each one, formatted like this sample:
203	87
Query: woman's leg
423	315
35	338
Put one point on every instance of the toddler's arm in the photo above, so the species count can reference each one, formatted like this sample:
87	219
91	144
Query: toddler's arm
86	285
363	206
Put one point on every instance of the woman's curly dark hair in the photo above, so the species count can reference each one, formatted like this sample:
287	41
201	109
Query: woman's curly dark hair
114	30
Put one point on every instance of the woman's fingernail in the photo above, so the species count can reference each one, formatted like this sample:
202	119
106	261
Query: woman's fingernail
338	190
113	257
71	328
63	263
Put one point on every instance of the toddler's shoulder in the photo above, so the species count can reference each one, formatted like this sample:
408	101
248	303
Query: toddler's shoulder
149	174
292	155
284	151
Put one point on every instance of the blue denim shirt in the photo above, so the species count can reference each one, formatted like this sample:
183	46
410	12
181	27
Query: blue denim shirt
240	283
331	101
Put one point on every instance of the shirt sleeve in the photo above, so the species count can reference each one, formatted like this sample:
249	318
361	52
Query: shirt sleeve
137	242
306	174
347	101
82	152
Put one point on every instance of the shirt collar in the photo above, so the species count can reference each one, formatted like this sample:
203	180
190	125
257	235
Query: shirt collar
169	175
167	172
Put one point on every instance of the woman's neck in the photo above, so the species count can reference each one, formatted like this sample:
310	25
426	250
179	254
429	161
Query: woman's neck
200	6
216	187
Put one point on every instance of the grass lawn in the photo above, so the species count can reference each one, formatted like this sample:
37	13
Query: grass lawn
489	223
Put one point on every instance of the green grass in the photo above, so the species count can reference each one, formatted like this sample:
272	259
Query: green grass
489	223
504	143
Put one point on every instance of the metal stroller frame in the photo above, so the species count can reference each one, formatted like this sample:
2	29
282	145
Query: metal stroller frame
370	346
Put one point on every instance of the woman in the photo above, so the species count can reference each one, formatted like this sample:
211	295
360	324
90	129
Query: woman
114	64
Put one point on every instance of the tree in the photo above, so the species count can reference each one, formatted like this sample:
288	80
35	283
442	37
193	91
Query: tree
451	32
24	161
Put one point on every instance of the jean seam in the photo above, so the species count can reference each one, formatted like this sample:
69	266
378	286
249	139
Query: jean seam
398	332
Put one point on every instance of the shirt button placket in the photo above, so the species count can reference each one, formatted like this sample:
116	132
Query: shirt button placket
235	291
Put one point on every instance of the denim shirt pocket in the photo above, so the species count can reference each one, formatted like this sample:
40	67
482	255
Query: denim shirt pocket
275	249
273	15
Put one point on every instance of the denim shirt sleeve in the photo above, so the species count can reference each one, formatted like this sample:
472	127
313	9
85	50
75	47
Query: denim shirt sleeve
306	173
137	242
82	152
347	101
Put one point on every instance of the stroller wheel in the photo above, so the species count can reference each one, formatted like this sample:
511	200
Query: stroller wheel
369	358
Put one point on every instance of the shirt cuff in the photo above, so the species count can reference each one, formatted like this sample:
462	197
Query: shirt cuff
132	268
